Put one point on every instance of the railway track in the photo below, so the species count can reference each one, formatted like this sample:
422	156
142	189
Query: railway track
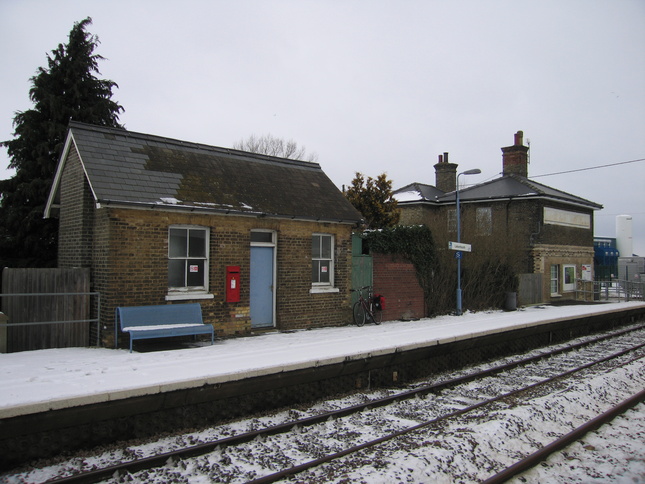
402	415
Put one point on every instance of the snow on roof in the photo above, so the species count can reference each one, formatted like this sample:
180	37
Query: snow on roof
410	196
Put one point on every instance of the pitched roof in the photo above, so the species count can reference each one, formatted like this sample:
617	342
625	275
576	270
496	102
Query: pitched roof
505	187
136	169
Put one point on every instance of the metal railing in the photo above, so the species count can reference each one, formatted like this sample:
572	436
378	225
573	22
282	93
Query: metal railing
615	290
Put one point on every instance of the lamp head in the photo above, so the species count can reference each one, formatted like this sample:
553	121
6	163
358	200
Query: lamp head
474	171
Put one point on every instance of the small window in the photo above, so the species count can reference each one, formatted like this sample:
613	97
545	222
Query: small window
452	220
484	221
322	261
188	259
261	237
555	279
569	278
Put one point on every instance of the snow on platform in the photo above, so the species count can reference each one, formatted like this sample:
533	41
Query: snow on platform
35	381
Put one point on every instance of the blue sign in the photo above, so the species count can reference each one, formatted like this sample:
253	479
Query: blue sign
458	254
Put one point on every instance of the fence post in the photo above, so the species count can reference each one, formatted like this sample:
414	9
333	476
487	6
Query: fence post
3	332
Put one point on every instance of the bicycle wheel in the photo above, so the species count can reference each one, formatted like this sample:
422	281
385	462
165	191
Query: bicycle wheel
359	314
377	315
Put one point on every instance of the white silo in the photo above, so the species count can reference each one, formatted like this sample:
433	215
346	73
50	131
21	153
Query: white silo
624	242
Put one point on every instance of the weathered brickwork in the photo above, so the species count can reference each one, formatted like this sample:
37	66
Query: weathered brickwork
518	235
76	217
127	252
545	256
530	227
395	278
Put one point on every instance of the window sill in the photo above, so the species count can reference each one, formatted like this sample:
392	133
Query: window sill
185	296
323	290
556	295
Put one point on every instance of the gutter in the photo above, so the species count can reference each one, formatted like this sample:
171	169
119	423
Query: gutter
219	211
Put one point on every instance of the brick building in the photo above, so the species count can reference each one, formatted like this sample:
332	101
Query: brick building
539	230
259	241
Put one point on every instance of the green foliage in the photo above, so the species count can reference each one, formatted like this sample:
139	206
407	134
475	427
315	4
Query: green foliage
65	90
374	199
414	243
484	284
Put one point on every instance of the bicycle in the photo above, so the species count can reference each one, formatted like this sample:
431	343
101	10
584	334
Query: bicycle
369	308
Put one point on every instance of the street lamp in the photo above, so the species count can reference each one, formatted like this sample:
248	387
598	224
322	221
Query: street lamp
474	171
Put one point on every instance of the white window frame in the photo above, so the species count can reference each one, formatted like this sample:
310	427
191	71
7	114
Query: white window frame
484	220
319	287
555	280
568	286
452	220
190	292
271	243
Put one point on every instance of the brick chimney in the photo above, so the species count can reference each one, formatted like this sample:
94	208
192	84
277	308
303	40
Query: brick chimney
445	174
515	158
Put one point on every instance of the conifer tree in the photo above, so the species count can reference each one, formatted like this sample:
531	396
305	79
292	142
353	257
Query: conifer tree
67	89
374	199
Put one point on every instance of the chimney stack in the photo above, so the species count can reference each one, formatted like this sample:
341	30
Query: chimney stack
515	158
445	174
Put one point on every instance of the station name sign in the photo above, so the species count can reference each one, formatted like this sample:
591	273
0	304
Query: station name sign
459	246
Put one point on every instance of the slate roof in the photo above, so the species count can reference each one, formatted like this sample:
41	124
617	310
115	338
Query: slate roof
505	187
135	169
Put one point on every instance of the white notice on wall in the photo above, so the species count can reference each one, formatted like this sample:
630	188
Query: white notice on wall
587	274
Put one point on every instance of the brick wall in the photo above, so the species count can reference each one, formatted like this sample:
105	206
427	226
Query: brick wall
545	255
396	279
518	237
75	228
298	307
130	267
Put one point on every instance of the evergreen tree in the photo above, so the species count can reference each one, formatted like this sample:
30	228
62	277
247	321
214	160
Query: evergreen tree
374	199
67	89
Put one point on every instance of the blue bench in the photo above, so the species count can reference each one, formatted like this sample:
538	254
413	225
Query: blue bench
144	322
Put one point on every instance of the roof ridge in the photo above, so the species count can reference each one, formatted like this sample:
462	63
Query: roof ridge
193	144
539	189
537	186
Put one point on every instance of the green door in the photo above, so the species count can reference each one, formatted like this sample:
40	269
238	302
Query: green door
361	266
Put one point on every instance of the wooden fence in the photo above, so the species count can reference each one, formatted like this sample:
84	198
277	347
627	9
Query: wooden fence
530	289
45	308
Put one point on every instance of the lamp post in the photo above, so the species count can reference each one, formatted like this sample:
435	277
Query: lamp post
474	171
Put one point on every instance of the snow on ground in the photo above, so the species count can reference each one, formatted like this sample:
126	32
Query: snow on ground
457	453
48	379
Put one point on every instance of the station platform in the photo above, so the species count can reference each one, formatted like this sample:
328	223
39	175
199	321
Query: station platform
64	399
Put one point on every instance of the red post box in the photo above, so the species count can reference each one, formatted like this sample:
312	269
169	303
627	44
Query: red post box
232	283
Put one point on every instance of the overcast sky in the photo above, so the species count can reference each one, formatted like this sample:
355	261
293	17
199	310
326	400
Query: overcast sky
372	86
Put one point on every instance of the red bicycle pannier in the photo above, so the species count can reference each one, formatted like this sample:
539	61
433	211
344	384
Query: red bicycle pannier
379	302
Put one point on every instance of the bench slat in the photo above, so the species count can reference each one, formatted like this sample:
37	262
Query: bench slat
143	322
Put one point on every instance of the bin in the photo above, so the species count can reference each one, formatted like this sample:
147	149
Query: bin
511	301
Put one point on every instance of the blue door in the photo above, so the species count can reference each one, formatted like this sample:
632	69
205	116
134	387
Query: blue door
262	287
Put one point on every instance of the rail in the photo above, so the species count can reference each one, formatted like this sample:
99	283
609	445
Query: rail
161	459
559	444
